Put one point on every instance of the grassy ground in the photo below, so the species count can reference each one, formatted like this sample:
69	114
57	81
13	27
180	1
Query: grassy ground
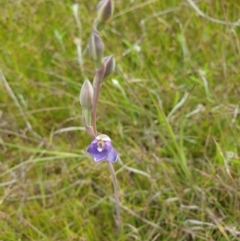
171	109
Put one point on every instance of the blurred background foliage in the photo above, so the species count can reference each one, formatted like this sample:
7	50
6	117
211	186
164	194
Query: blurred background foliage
171	109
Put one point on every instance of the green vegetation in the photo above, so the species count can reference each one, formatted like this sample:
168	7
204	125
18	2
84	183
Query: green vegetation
171	109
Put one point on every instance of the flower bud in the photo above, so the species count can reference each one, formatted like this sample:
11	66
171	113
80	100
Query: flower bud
86	95
96	47
104	10
109	65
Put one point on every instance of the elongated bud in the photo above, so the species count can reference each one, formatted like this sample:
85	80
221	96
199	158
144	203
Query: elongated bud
109	65
105	10
86	95
96	47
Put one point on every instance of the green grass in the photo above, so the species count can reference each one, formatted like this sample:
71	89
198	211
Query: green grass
172	113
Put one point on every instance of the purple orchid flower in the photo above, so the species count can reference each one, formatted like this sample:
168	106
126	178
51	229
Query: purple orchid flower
101	148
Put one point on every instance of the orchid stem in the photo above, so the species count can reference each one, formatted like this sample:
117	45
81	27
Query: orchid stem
116	193
94	108
96	89
97	85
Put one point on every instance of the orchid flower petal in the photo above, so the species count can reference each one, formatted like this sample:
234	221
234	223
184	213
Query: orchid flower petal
112	155
96	153
101	148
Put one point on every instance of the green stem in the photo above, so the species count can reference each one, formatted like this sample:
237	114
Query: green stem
116	193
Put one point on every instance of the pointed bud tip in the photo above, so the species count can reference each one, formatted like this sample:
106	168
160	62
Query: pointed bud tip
105	10
86	95
109	62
